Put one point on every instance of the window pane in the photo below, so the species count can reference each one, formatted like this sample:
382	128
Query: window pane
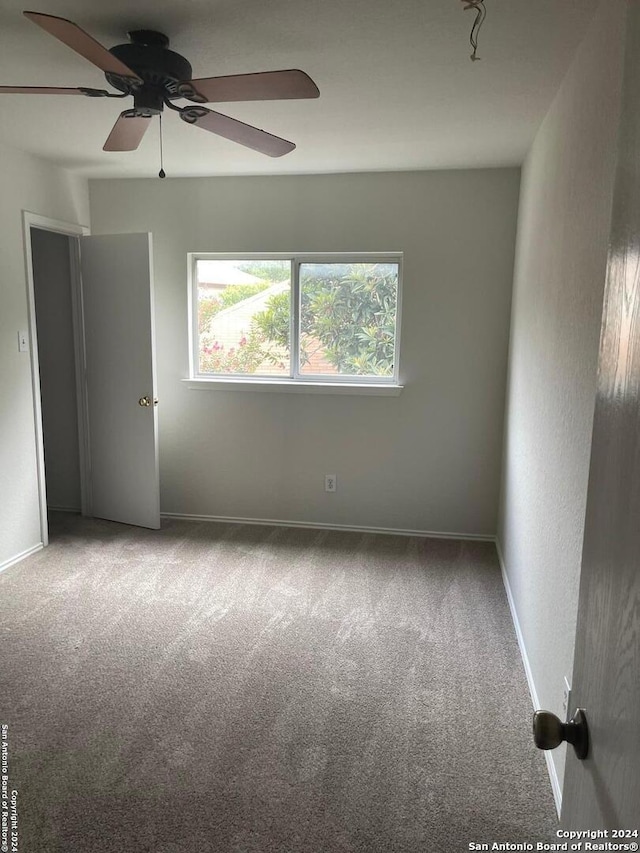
348	319
243	317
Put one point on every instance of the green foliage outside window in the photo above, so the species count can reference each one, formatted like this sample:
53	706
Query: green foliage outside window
347	315
352	316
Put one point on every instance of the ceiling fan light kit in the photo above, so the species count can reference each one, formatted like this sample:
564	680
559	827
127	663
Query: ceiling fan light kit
155	76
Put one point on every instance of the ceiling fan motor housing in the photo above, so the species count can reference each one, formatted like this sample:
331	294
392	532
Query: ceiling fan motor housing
160	69
154	76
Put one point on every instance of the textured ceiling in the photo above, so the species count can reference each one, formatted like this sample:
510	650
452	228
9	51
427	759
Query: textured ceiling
397	88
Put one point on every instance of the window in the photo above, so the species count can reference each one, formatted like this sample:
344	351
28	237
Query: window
304	318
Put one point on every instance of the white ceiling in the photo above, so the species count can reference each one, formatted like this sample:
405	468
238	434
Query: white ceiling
397	88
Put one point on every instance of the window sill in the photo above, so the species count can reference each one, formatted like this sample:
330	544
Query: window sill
294	386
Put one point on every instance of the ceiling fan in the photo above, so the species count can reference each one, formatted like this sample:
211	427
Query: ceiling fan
156	76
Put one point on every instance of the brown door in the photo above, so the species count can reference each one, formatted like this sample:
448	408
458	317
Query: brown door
603	792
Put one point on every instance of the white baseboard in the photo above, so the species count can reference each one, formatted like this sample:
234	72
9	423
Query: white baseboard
22	556
551	767
276	522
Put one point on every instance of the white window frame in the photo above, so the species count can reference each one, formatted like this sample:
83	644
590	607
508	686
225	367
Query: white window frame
296	381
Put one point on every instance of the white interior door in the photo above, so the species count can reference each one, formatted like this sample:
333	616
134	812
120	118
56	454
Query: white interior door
117	297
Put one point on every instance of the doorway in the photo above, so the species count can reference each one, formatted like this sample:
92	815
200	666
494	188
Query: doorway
51	254
55	338
109	287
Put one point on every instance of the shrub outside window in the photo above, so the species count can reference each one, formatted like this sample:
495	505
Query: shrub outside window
305	318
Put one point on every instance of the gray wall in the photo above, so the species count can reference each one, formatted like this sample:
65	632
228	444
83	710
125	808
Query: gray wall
557	302
54	319
30	184
427	460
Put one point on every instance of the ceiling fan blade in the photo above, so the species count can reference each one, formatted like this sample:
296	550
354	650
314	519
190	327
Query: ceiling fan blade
84	44
263	86
237	131
127	132
39	90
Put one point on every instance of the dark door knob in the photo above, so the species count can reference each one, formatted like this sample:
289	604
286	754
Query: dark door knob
549	732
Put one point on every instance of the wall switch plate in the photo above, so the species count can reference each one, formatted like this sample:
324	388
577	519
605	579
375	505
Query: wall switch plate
566	698
330	482
23	342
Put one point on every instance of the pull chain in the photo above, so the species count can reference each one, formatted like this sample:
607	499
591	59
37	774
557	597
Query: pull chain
161	173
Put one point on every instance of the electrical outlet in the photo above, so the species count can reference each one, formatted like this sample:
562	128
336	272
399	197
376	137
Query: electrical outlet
566	698
330	482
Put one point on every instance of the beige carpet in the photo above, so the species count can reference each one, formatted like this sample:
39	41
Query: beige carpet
211	688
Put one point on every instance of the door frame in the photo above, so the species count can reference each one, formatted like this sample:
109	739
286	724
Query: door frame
74	231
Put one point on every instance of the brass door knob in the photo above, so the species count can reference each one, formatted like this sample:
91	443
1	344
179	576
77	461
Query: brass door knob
144	401
549	732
